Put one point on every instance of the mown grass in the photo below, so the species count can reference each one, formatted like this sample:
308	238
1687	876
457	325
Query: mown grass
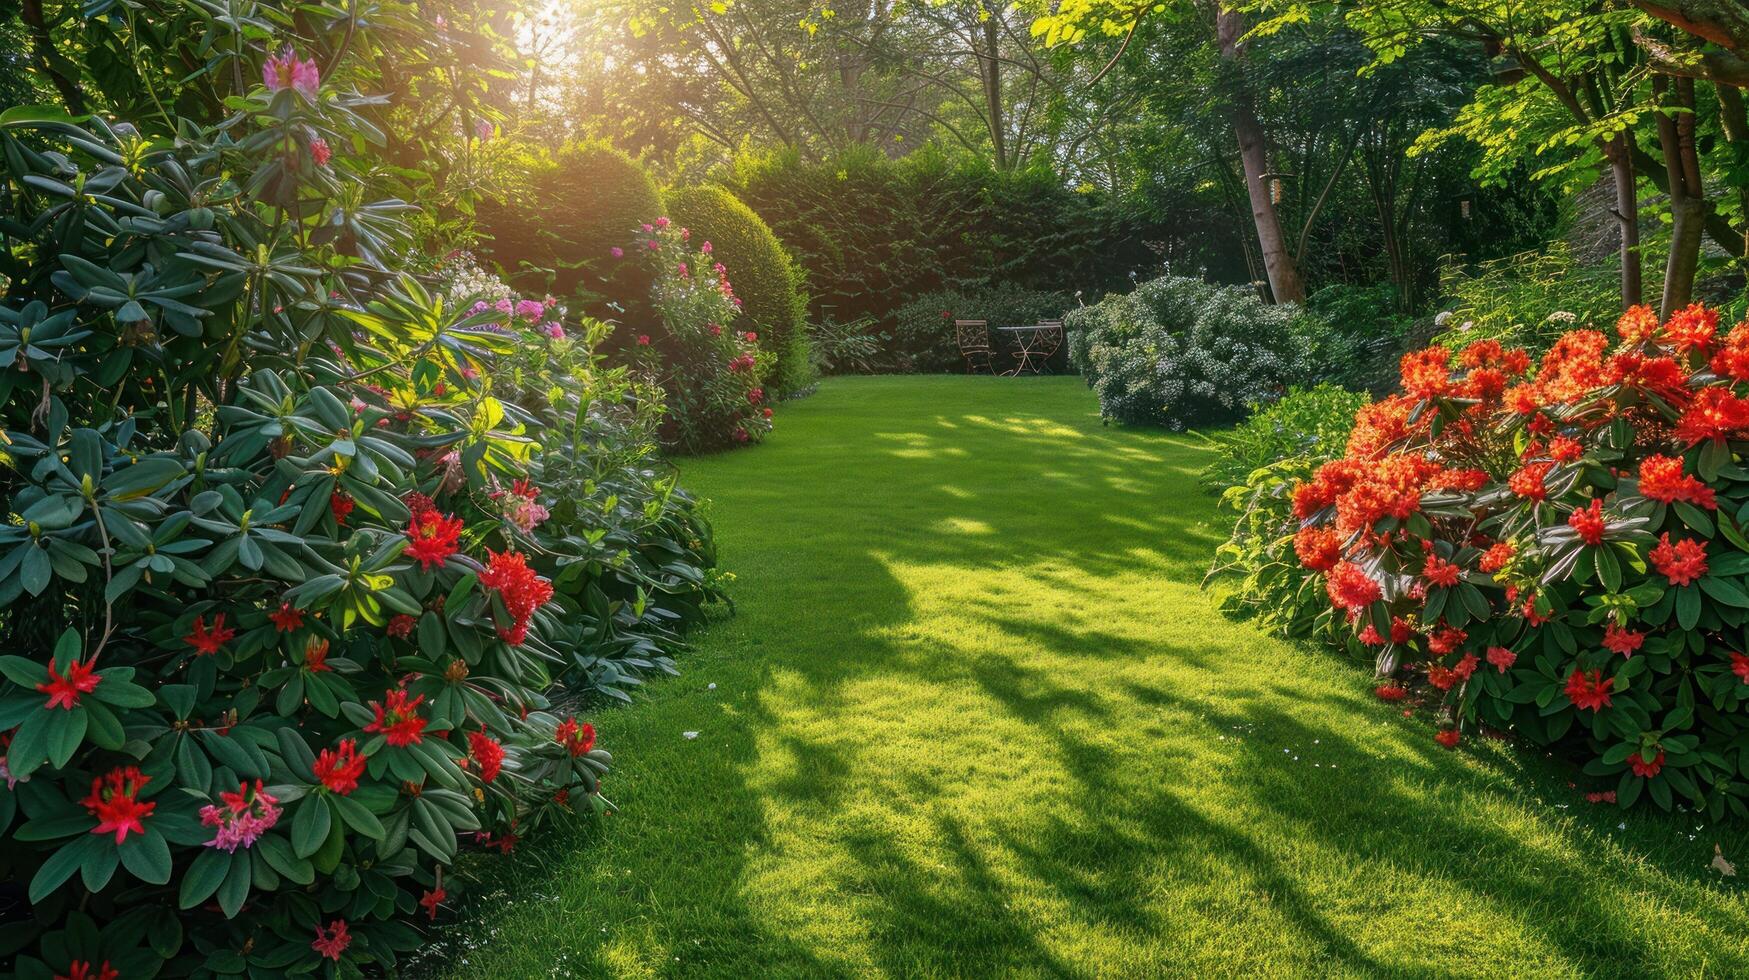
976	718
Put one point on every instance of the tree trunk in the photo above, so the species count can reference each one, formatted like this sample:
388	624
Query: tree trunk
43	50
1688	204
1284	276
1627	213
991	69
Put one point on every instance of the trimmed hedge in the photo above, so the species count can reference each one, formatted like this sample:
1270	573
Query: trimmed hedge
768	282
596	197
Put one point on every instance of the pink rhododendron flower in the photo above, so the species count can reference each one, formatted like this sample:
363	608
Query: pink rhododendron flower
285	71
245	816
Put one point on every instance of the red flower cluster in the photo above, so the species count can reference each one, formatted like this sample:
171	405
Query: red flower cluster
115	802
1682	562
1715	413
1588	521
64	691
487	753
577	739
332	941
1350	588
1589	691
1662	479
398	719
207	642
1645	769
1616	639
521	589
432	538
1438	571
1318	548
1501	658
286	618
1530	481
339	769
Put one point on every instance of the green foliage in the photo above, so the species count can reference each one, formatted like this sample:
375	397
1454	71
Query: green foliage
1306	422
713	375
857	347
1527	300
278	505
923	328
875	232
773	305
556	236
1179	351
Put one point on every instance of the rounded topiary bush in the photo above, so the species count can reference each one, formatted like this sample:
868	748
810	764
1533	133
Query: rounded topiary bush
594	198
1558	552
768	282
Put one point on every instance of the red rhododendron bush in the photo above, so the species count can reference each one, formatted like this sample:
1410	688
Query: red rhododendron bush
1558	550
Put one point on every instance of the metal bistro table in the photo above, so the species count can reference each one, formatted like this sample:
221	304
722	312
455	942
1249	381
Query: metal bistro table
1034	345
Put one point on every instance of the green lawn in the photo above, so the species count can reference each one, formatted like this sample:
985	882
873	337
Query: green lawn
976	717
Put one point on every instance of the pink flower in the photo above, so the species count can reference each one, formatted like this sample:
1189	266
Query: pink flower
653	245
643	340
243	819
617	252
286	71
705	248
485	129
661	222
554	330
331	942
319	152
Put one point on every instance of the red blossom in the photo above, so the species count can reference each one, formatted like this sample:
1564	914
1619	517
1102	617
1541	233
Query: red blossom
401	625
1390	692
1319	549
1693	328
1589	691
1638	324
207	642
397	718
316	656
1565	449
1682	562
332	941
1501	658
1438	571
1350	588
1732	360
115	802
430	900
1588	521
577	739
487	753
341	504
1446	640
1427	373
1740	667
86	970
1715	413
521	589
432	538
1662	479
1496	557
1448	738
1645	769
286	618
64	691
1529	481
1617	639
339	769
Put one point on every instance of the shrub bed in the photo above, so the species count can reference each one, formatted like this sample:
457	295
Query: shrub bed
767	281
1559	553
713	375
298	548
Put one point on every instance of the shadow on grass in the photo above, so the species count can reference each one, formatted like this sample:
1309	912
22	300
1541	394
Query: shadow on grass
1033	576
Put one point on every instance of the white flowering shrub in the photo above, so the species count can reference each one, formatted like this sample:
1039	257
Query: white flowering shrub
1180	351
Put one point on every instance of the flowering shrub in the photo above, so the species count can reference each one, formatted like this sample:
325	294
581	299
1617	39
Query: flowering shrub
1559	552
1179	351
282	593
712	375
1257	464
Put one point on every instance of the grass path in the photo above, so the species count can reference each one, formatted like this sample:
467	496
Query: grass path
975	717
